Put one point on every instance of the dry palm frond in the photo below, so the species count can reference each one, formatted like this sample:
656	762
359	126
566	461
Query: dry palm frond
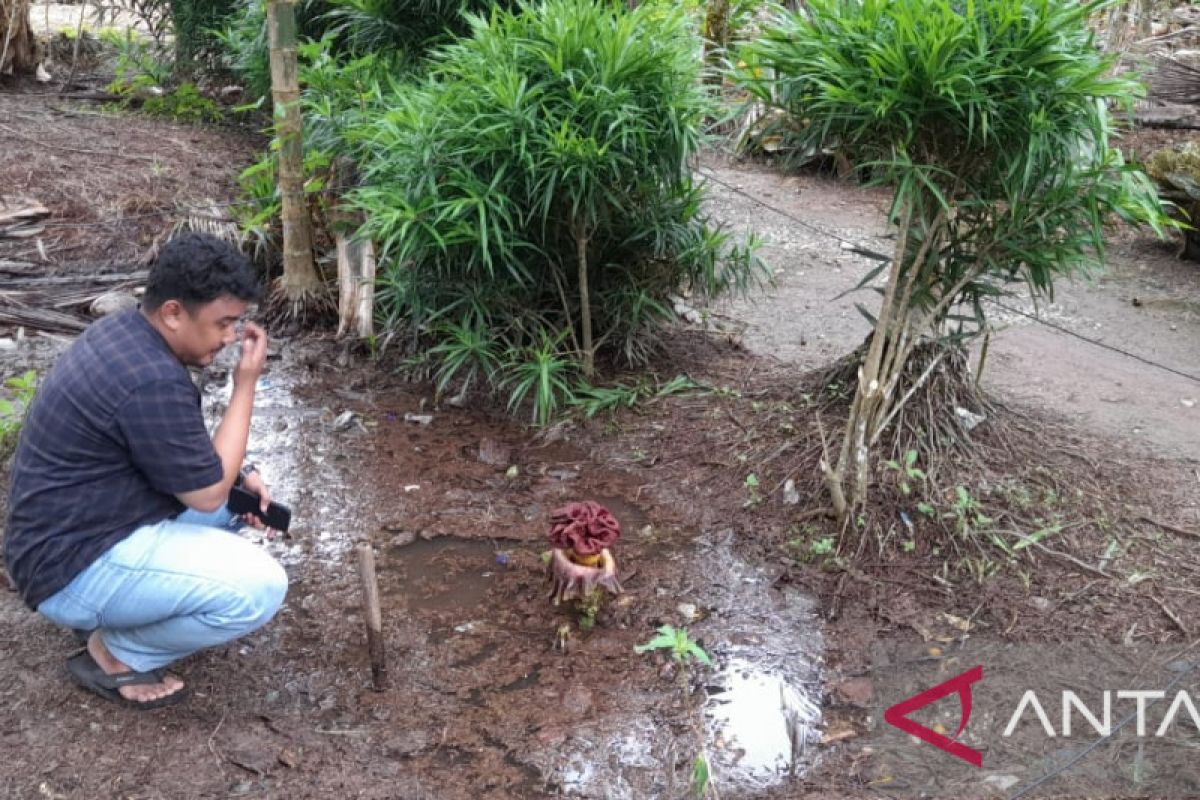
214	220
1176	81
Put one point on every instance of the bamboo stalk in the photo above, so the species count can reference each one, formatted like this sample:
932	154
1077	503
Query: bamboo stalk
373	617
299	273
585	303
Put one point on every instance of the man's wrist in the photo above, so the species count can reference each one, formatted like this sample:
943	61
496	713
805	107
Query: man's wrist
244	473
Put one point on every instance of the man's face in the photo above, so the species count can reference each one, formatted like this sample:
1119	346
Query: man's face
198	336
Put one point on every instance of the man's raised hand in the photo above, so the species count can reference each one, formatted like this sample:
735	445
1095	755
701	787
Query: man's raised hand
254	354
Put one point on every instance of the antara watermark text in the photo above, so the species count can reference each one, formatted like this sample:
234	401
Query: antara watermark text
1138	701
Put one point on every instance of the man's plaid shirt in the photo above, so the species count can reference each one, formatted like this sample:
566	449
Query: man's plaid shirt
114	433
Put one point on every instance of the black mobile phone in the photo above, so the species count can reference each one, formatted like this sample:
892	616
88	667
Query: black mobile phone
243	501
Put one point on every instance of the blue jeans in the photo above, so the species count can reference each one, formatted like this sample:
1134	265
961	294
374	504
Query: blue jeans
171	588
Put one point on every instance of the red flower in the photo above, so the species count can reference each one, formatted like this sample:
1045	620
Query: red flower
587	528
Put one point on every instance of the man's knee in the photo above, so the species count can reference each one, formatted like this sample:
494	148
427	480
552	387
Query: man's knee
272	588
260	591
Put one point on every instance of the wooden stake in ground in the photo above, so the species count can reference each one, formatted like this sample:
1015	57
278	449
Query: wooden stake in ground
300	287
373	617
356	287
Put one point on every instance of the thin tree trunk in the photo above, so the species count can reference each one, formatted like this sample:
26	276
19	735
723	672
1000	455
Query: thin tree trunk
716	37
18	49
851	462
585	302
300	280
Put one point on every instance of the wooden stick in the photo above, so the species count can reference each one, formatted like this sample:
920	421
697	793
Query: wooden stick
1169	528
373	617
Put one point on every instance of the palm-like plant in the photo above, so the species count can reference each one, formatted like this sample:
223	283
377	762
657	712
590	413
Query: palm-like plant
544	163
538	373
990	120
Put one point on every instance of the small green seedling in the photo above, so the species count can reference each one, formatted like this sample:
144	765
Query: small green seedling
700	777
751	484
967	512
908	471
822	546
678	642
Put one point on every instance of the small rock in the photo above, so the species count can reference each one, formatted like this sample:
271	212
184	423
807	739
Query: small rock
687	611
838	734
854	691
791	497
344	421
1002	782
288	759
512	472
403	539
1040	604
493	453
466	627
112	303
686	312
1188	402
419	419
968	419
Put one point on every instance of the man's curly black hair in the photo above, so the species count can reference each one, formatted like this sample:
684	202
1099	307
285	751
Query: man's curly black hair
195	269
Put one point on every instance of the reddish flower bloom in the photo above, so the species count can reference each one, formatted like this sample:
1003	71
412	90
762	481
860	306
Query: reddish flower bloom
587	528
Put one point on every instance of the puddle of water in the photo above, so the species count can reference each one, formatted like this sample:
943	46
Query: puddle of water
762	725
762	718
439	574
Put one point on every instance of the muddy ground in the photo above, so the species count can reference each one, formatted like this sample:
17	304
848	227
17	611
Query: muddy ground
483	702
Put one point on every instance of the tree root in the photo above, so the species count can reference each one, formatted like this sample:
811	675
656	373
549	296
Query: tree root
940	404
301	307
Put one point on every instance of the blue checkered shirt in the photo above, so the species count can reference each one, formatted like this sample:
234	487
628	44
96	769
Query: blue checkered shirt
113	434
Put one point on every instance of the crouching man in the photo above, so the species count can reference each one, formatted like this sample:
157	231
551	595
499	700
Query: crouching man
118	525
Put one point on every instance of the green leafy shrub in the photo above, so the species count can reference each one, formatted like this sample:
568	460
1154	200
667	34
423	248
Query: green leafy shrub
989	120
141	62
407	26
184	103
400	32
549	146
194	23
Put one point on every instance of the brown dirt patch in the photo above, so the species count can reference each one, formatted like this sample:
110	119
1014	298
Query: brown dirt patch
114	182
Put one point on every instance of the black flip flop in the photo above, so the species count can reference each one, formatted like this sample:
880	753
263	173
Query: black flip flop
88	674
